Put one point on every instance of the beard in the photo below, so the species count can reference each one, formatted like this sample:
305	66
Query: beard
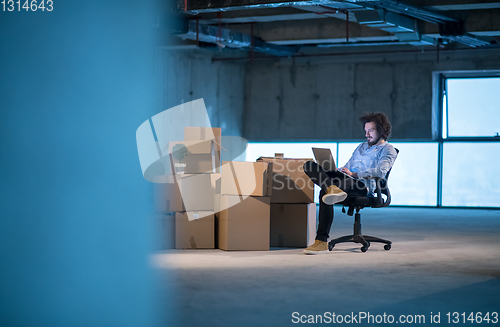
375	141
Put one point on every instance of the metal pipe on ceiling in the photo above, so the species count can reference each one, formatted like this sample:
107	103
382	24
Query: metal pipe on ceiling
340	54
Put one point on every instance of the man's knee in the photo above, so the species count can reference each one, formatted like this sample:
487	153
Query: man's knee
309	166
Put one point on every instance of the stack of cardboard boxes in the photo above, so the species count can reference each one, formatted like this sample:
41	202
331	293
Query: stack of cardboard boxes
244	206
293	211
164	218
236	205
191	195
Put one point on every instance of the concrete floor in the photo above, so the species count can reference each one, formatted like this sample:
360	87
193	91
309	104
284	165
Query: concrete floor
442	260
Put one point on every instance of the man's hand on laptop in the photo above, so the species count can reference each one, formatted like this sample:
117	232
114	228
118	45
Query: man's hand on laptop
348	172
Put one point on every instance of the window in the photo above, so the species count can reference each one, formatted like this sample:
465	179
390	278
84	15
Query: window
470	140
471	107
470	174
413	178
289	149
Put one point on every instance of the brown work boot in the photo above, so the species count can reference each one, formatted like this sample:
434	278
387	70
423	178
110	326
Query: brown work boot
334	195
319	247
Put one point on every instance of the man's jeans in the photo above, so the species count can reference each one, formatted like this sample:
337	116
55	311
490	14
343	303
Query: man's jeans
323	179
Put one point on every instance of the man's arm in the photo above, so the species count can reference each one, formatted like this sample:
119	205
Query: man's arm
348	166
348	172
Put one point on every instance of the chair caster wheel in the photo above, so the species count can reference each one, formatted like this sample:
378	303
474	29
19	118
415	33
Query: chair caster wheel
387	247
330	246
365	247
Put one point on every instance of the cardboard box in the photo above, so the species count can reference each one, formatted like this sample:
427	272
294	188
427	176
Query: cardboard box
202	157
165	231
290	183
195	192
244	223
193	233
203	133
246	178
293	225
167	196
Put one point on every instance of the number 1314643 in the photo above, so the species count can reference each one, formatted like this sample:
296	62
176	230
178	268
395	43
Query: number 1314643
27	5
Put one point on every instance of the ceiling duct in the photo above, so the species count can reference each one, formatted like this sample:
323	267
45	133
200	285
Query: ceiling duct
196	7
469	40
231	39
455	31
402	8
404	28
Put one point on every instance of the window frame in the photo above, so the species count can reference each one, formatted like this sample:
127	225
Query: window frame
442	76
439	86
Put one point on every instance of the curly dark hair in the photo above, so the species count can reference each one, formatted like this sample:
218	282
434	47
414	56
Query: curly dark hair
381	121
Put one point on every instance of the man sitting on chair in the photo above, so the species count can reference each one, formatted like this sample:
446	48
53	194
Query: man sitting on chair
373	158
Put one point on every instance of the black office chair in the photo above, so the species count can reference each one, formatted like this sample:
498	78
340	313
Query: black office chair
355	202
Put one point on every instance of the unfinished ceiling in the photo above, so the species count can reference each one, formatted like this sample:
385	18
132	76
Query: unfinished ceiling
285	28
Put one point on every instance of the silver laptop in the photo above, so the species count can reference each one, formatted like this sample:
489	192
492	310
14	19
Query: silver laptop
325	159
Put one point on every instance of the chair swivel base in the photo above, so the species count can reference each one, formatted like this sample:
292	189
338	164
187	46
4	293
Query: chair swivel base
357	237
362	239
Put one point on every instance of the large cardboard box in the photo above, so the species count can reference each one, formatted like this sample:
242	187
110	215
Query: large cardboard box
164	231
202	156
246	178
290	182
192	232
167	196
194	192
293	225
243	223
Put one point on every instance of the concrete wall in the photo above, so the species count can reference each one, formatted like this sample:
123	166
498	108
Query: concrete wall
321	98
188	75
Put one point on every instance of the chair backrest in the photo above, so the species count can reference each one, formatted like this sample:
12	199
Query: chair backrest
385	189
387	176
362	201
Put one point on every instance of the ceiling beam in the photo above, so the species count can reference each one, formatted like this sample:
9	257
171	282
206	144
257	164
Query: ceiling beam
313	31
478	22
475	22
455	4
279	14
403	8
198	6
261	19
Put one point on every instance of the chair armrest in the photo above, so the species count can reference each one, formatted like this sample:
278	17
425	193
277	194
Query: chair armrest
381	188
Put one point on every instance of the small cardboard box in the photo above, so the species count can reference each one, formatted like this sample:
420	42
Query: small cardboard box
202	157
243	223
293	225
204	133
195	192
193	233
290	182
246	178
